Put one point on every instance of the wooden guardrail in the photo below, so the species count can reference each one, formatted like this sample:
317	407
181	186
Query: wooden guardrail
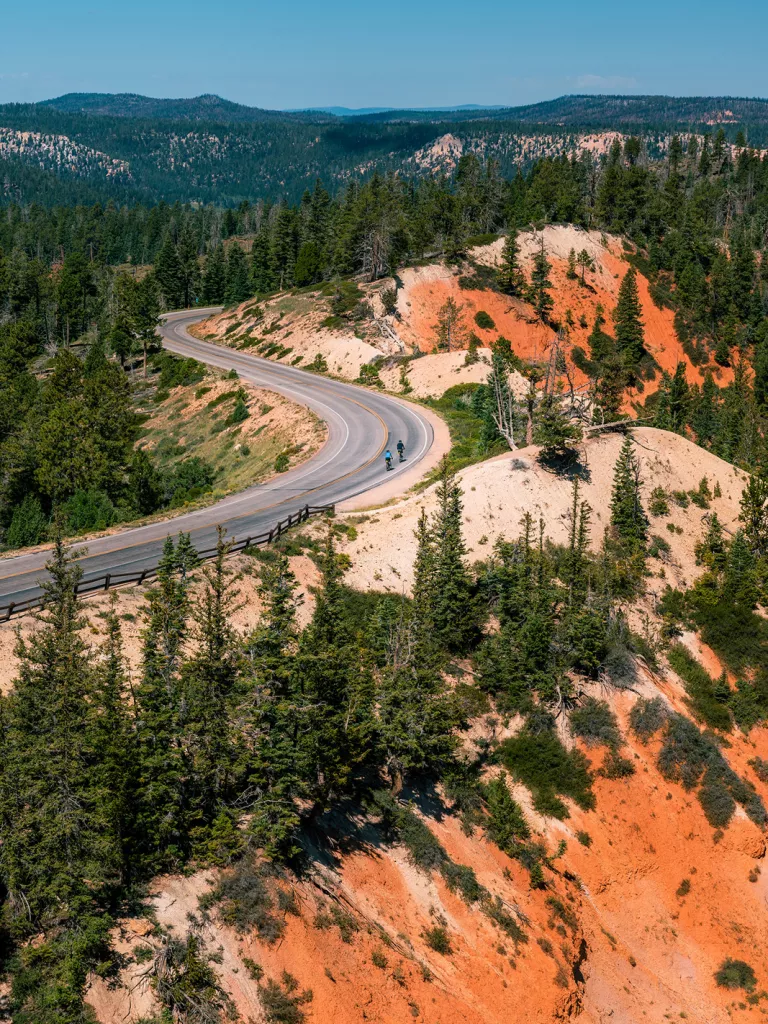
119	579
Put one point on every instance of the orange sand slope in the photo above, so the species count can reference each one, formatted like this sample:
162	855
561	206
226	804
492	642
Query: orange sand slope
615	935
298	328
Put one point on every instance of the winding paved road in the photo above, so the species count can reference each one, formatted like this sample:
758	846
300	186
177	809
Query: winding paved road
361	424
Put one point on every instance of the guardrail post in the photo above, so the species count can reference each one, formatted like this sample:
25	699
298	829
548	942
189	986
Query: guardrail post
301	515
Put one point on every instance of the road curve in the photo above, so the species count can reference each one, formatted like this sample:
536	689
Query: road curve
361	424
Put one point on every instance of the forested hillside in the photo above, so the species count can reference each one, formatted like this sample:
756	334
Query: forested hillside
81	148
493	728
695	224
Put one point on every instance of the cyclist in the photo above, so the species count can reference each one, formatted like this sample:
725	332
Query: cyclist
401	450
388	458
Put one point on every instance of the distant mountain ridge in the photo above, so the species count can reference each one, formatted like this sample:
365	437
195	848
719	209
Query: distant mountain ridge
89	147
598	111
198	108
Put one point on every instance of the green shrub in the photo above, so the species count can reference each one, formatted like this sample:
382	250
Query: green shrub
244	901
684	888
345	922
659	504
647	717
560	910
685	753
379	959
484	320
282	1003
369	374
225	396
616	767
282	462
239	414
733	630
506	825
717	802
423	847
658	547
29	524
462	879
689	757
255	971
584	838
541	762
437	938
708	703
189	480
88	510
482	239
733	974
702	495
760	768
318	364
176	372
595	723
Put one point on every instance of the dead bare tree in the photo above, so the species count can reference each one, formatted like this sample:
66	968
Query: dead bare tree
503	401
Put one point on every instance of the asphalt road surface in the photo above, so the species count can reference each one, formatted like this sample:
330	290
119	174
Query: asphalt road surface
361	425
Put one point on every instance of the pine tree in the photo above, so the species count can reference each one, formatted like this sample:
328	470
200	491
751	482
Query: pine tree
679	399
662	417
571	271
113	737
337	683
169	274
739	579
510	275
541	300
586	263
238	278
455	620
262	277
574	571
208	683
506	825
713	550
189	266
704	418
416	715
557	434
278	715
215	277
163	798
630	336
628	517
145	315
60	856
283	249
600	344
754	513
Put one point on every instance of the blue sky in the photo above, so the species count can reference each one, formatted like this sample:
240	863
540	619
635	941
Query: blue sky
356	54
